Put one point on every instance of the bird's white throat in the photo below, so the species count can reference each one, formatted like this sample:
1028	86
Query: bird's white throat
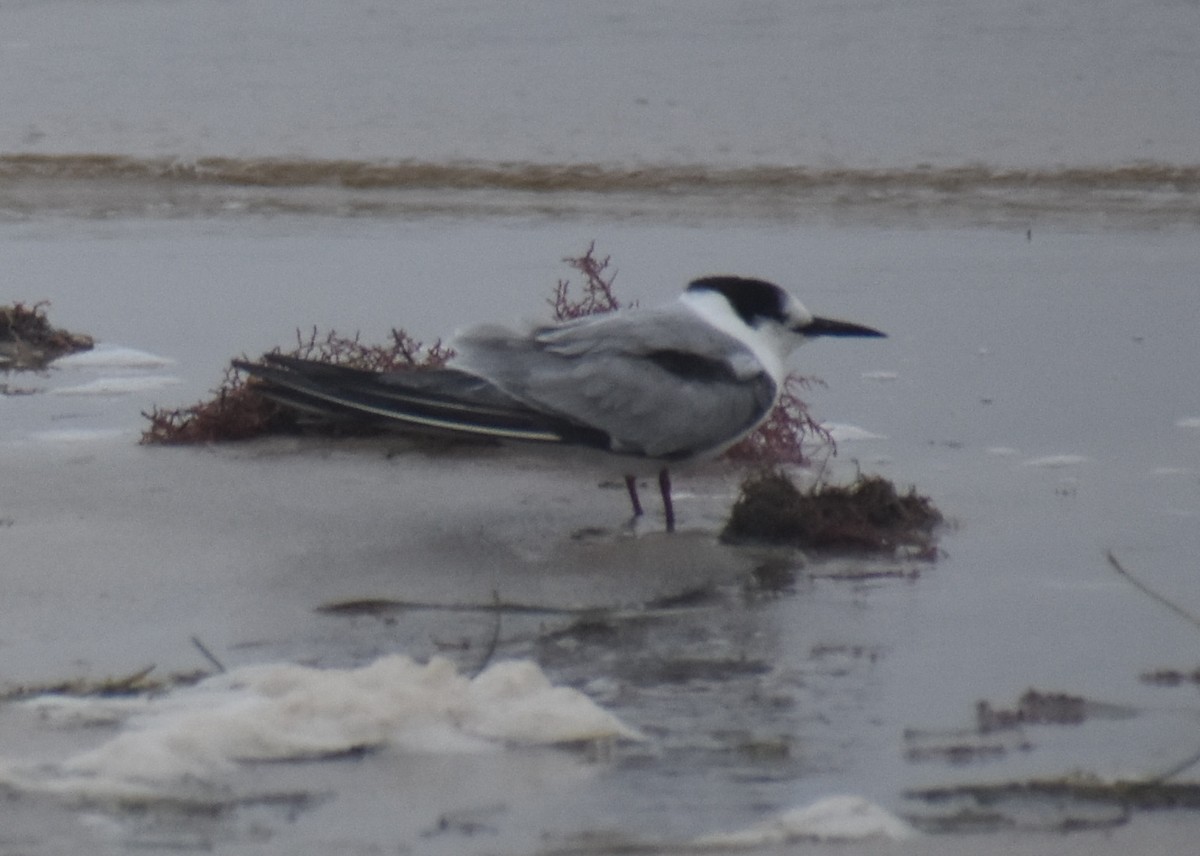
770	342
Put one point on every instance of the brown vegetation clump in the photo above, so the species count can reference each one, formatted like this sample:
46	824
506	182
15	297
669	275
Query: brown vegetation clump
1033	708
868	515
975	808
238	412
27	341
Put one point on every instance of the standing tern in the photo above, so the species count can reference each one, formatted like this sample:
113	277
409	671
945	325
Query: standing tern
658	386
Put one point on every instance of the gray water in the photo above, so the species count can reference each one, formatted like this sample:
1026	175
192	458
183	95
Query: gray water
1009	190
1035	389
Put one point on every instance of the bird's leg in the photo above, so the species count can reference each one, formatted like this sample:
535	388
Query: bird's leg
631	486
664	485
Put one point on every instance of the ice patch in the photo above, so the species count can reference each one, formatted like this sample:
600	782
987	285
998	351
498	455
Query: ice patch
281	712
832	819
1188	422
118	385
113	357
1055	462
843	432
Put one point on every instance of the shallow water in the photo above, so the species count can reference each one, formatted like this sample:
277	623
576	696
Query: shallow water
1033	388
1010	190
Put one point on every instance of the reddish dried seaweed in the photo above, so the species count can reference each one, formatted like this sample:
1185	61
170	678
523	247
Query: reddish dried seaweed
789	435
238	412
597	298
28	341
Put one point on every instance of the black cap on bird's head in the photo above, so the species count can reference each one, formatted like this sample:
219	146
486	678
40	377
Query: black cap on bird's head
752	299
756	300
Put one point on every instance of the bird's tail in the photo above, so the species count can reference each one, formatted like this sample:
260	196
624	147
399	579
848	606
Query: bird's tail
436	400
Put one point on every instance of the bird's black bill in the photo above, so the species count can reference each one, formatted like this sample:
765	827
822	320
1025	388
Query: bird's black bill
830	327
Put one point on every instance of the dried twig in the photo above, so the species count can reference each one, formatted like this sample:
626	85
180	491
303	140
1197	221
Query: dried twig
789	432
208	655
136	683
1176	769
495	640
1194	758
598	296
1151	593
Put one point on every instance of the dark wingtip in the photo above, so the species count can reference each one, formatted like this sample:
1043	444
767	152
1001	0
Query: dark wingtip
831	327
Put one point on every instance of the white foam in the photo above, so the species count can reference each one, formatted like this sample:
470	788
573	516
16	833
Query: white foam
843	432
113	357
80	435
291	712
880	376
1188	422
1003	451
1055	462
1172	471
124	385
832	819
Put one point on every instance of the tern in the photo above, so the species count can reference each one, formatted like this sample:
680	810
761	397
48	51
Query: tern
652	386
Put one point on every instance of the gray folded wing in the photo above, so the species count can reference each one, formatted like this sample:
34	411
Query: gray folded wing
656	382
436	401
